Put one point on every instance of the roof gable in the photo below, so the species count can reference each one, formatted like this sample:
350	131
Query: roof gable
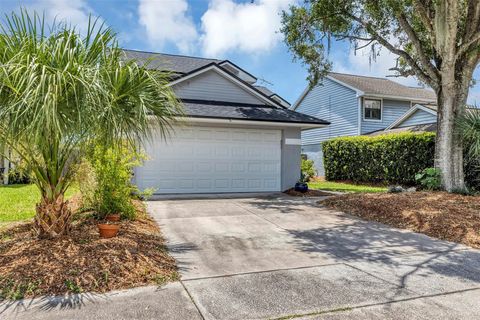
214	83
411	113
382	87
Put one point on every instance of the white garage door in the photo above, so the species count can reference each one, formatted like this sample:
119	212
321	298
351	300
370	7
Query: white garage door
213	159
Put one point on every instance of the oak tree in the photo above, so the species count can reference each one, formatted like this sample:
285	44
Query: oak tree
436	41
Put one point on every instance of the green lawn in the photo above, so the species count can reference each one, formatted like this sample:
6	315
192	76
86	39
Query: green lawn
343	187
17	202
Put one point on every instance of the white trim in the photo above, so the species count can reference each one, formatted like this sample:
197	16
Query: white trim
359	115
302	96
251	122
285	102
228	76
410	112
381	109
358	91
390	97
293	142
251	78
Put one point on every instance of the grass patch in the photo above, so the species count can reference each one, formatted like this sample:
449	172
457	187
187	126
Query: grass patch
344	187
17	202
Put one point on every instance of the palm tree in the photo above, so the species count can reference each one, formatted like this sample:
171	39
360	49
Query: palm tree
59	90
469	127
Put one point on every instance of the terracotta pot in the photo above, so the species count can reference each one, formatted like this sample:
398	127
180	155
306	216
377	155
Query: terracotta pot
113	217
108	230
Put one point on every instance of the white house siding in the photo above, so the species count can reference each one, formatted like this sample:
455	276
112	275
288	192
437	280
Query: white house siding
212	86
392	110
418	117
334	103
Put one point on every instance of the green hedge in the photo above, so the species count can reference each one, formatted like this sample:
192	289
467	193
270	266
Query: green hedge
392	158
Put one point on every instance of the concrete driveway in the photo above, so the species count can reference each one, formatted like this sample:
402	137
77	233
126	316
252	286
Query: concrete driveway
284	257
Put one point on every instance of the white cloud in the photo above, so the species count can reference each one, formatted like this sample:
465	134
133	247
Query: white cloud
247	27
74	13
168	21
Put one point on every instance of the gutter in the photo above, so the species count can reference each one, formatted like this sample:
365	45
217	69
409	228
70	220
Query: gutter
264	123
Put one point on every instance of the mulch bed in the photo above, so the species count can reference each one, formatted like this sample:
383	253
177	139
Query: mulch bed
441	215
82	262
309	193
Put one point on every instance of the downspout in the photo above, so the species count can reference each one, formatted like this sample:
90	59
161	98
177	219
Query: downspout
359	97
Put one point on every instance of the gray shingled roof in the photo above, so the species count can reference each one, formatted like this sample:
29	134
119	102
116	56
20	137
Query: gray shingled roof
382	86
225	110
429	127
168	62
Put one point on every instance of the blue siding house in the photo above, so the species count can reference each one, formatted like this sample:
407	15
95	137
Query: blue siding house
359	105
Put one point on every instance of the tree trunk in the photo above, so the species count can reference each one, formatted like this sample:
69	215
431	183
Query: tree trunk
53	218
449	147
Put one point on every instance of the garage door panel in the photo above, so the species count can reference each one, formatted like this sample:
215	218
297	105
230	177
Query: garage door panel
205	159
204	167
238	167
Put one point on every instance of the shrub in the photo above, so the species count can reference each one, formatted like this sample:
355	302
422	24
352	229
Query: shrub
429	179
472	171
392	158
307	170
18	173
87	183
113	173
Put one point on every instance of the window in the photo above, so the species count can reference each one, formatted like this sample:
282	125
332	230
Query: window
372	109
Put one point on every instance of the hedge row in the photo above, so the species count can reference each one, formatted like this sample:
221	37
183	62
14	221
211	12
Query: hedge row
393	158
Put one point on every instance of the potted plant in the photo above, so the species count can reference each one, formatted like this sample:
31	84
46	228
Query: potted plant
108	230
113	217
301	185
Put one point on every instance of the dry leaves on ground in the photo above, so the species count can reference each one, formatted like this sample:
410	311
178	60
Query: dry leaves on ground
441	215
309	193
82	261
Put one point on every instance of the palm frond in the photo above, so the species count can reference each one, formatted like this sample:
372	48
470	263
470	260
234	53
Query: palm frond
59	90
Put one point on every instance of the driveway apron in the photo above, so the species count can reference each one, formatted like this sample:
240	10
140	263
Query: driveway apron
280	256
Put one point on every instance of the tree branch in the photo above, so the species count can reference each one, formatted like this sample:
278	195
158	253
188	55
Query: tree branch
384	42
473	19
402	72
466	46
365	45
429	67
347	36
424	13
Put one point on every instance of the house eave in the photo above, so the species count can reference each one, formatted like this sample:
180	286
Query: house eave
267	123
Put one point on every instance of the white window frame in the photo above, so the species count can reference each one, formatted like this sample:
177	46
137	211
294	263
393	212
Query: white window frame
381	109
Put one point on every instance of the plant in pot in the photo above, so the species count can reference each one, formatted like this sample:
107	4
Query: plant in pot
307	171
301	185
108	229
112	196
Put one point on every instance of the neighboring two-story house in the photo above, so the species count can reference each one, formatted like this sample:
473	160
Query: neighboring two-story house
360	105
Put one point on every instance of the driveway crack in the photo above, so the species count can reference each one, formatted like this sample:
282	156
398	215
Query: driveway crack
193	301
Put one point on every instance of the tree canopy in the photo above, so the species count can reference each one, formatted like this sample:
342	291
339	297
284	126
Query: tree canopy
422	33
437	41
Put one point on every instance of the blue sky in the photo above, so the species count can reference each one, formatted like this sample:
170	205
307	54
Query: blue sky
238	30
